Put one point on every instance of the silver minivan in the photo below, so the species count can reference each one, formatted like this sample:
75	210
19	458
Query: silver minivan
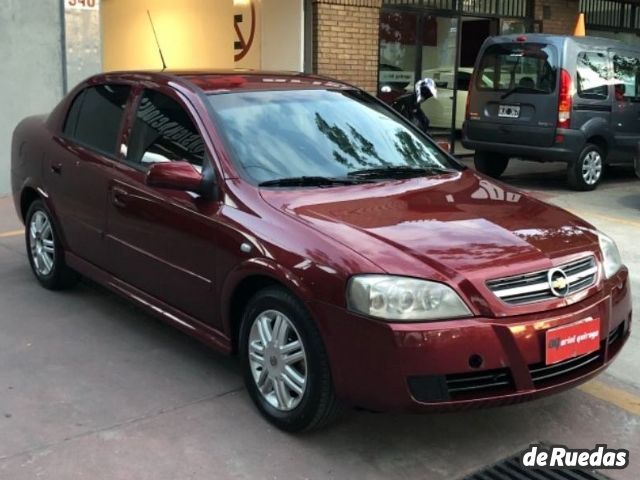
554	98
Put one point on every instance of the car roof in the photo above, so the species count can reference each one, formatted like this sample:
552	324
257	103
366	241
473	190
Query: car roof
559	39
223	81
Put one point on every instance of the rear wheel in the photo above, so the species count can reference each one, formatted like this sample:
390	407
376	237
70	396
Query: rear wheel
286	369
491	164
586	172
45	253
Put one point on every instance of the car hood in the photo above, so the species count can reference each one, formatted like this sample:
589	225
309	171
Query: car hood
453	225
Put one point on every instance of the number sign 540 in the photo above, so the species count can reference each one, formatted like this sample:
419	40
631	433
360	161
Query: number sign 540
89	4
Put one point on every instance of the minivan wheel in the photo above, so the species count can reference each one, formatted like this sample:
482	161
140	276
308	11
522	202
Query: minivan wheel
285	366
44	251
492	164
586	172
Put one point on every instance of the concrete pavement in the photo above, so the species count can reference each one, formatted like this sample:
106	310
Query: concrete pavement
90	387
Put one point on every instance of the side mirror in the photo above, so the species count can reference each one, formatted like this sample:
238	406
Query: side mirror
176	176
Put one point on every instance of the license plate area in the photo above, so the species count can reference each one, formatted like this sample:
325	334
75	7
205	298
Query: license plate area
572	340
508	111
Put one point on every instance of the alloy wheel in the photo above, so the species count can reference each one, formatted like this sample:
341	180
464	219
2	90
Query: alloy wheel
278	360
592	167
42	243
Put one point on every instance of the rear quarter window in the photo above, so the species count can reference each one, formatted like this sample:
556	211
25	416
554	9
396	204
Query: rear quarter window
95	117
626	76
593	75
531	67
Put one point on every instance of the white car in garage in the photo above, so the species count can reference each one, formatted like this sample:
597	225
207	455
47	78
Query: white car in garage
440	109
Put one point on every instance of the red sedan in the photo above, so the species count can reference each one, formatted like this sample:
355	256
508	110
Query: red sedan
301	223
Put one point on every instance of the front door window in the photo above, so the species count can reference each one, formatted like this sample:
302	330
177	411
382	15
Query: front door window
163	132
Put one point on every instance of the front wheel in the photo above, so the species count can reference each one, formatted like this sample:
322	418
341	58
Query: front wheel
45	253
286	369
586	172
491	164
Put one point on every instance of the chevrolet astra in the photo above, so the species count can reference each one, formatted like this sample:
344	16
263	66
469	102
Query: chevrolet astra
303	225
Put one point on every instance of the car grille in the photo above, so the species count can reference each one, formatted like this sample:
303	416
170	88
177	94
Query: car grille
534	287
483	380
541	372
460	386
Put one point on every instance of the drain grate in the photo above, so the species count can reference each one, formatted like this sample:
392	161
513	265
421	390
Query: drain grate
511	469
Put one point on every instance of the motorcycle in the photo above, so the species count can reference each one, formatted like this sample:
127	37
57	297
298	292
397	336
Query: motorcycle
408	104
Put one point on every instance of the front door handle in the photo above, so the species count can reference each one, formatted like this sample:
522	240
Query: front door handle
119	197
56	168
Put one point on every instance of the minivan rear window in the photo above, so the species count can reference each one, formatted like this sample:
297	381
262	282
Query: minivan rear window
525	67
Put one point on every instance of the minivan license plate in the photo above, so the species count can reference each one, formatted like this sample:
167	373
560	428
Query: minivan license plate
509	111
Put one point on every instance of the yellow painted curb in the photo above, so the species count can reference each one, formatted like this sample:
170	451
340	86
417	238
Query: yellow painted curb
615	396
14	233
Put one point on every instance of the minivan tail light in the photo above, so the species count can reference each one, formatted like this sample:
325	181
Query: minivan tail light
466	107
472	83
564	100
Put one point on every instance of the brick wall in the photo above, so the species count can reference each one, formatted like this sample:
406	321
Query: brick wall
345	38
562	18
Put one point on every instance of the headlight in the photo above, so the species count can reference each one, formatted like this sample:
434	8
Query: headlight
610	255
402	298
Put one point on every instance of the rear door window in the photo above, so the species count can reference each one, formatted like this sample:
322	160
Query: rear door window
526	67
626	70
593	75
95	117
163	132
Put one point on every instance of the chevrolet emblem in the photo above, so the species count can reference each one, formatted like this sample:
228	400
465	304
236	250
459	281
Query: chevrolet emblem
558	282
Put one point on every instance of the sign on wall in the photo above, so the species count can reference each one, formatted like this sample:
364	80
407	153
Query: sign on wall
81	4
248	32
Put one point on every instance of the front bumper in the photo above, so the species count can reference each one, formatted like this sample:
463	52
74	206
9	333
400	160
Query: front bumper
449	365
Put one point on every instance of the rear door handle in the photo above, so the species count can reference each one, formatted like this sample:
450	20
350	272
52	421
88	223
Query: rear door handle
56	168
119	197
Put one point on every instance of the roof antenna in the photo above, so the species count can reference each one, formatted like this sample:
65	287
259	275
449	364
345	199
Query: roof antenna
155	35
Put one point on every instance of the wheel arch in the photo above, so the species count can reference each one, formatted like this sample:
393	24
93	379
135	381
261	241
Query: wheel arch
601	142
244	282
28	195
31	192
598	132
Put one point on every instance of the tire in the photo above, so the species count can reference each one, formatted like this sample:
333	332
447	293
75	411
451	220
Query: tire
281	404
45	253
491	164
585	173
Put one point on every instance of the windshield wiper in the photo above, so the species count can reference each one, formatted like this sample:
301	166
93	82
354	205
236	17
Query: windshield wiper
397	171
307	182
522	89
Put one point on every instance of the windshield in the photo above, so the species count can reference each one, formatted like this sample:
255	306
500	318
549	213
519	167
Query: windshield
530	67
318	133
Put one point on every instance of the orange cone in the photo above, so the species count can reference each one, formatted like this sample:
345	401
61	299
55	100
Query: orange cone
580	30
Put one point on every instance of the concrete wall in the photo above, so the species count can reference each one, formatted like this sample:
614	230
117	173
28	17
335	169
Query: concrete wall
30	67
283	35
84	48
